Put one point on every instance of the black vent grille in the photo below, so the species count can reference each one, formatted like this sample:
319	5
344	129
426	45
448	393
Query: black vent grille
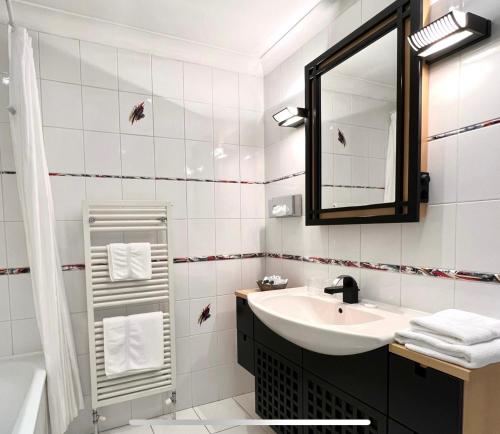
278	385
323	401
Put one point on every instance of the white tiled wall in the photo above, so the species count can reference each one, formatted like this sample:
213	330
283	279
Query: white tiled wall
201	123
461	228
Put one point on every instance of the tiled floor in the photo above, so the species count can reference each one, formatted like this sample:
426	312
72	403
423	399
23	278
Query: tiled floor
240	407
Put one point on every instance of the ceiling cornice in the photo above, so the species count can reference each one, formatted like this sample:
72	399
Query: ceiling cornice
309	26
63	23
55	21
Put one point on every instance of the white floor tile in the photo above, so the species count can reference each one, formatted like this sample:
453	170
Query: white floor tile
247	402
179	429
247	430
226	409
188	414
130	430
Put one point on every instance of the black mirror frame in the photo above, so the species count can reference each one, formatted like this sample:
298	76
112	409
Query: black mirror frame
407	17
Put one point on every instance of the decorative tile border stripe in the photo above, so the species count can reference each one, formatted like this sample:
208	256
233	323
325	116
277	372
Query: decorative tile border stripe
24	270
484	124
471	276
282	178
73	267
178	260
352	186
404	269
17	270
166	178
148	178
218	257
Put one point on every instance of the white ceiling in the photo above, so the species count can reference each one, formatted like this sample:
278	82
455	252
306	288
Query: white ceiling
248	27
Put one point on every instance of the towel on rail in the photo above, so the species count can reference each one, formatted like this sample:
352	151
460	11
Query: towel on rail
133	343
129	261
458	327
469	356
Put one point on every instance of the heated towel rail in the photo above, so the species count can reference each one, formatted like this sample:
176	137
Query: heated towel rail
128	221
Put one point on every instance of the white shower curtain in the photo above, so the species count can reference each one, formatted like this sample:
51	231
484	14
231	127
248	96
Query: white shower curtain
51	308
390	162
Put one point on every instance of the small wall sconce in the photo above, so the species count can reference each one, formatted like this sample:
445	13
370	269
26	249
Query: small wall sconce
450	33
290	117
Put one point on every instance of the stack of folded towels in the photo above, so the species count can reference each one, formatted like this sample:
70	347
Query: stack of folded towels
455	336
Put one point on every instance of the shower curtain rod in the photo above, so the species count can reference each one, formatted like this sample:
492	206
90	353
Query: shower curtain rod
9	12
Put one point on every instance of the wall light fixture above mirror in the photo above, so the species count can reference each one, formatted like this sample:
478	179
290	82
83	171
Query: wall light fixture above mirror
448	34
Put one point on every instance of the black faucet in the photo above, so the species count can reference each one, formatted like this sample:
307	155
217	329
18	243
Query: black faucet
348	288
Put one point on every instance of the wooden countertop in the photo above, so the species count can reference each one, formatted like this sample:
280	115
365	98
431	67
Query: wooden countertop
440	365
242	293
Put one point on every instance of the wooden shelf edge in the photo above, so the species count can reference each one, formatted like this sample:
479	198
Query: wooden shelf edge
439	365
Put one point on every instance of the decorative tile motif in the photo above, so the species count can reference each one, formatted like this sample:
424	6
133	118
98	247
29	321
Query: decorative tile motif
204	315
137	113
341	138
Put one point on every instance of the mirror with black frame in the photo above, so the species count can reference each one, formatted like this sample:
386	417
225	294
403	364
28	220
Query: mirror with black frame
364	103
358	124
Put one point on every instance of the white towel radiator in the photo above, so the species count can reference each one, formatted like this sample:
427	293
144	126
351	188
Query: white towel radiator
128	221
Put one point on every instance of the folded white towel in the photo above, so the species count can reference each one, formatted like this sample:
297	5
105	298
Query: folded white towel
458	327
145	341
129	261
133	343
469	356
115	348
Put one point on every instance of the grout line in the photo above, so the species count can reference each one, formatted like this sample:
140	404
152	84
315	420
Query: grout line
239	405
119	119
457	152
239	170
83	129
153	121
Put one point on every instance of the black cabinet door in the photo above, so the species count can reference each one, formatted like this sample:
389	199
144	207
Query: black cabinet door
424	399
244	317
246	352
278	388
361	375
396	428
323	401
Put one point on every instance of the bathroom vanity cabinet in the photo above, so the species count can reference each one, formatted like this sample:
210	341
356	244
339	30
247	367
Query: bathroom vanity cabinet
400	391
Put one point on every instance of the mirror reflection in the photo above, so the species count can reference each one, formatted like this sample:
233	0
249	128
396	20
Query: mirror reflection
358	124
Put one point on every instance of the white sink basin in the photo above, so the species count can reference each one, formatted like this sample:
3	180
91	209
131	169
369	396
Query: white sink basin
322	323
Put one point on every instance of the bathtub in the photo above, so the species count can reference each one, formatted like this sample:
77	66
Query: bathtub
24	399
